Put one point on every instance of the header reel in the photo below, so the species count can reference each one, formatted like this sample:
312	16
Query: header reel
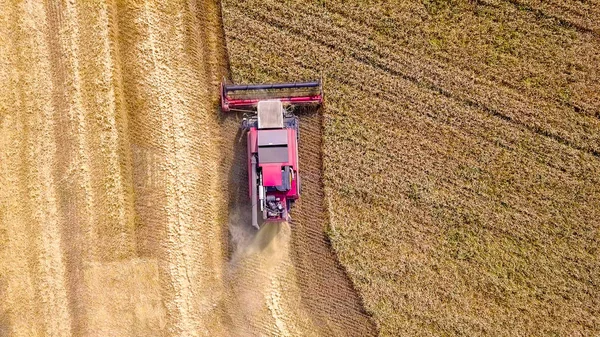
245	98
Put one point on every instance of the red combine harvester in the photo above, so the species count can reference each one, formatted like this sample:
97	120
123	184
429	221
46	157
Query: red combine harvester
272	128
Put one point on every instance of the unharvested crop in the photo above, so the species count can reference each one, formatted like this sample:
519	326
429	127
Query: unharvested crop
460	152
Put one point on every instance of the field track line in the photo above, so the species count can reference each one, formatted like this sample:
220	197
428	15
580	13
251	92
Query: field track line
94	160
16	280
562	21
177	243
175	174
449	90
74	160
112	232
36	139
113	229
16	283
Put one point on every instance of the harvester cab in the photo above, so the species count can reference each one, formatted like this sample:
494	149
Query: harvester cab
272	134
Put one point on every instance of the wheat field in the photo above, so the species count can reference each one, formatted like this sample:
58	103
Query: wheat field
451	180
460	154
123	205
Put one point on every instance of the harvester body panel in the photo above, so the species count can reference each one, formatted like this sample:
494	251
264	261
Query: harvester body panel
272	142
276	164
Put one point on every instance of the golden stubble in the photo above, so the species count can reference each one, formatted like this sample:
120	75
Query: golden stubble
263	297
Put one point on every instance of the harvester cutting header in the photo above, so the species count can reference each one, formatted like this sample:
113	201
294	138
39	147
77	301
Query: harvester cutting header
273	170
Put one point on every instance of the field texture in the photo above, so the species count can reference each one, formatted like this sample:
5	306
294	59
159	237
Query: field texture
109	169
123	193
455	168
461	153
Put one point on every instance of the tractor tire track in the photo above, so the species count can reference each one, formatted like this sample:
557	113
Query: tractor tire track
174	158
581	16
316	281
95	186
33	228
15	278
74	161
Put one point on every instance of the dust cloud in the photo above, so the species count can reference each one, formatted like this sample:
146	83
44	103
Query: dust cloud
262	298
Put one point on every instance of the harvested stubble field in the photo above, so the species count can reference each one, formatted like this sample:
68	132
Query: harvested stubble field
109	168
461	153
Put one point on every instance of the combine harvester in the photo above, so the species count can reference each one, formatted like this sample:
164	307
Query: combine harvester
272	141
